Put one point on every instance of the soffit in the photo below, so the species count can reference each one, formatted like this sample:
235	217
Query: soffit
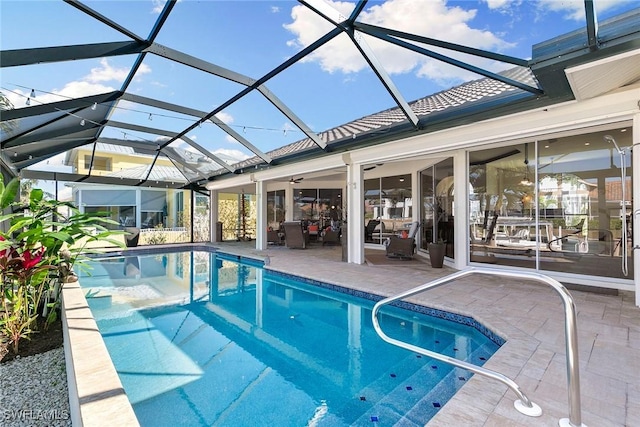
603	76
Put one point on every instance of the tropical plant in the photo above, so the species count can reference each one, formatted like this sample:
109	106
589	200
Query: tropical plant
40	244
157	237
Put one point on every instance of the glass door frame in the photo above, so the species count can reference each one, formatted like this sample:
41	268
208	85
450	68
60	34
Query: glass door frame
436	230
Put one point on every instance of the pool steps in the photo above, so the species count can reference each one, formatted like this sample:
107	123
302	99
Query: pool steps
522	404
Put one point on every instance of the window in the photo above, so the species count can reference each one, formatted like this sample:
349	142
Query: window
179	208
305	204
275	208
436	186
99	163
125	215
388	206
318	204
201	219
153	208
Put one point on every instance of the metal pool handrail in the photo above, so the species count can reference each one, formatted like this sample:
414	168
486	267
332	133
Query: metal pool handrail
523	404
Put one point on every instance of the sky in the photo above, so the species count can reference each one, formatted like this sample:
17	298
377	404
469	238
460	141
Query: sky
330	87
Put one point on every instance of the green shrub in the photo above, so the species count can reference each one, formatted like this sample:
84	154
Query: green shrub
40	243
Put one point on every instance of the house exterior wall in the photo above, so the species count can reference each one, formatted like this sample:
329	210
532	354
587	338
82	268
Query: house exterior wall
119	162
609	111
173	215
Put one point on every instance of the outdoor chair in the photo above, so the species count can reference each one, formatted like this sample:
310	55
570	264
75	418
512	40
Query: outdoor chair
295	236
368	229
314	231
403	247
330	236
273	237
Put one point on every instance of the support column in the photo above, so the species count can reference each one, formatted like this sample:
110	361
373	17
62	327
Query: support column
192	214
261	220
355	214
461	218
138	208
635	179
213	216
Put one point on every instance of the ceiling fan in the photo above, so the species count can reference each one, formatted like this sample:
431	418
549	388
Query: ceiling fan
372	167
295	181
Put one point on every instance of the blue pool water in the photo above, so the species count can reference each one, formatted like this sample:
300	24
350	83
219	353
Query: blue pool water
200	338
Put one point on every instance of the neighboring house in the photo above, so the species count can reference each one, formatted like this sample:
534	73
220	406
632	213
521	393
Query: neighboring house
131	206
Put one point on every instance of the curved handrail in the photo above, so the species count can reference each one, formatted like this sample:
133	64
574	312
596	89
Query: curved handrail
523	404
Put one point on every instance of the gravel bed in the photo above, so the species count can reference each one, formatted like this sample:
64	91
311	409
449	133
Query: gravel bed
34	391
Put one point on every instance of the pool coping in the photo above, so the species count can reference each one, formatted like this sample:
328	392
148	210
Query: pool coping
96	394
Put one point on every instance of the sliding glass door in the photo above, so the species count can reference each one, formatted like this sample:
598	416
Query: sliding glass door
559	204
437	193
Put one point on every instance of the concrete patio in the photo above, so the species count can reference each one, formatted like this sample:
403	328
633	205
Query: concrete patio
529	315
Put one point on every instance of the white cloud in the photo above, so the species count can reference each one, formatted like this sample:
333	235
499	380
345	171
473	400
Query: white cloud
93	83
53	164
74	89
106	73
275	9
429	18
17	97
79	89
226	118
157	7
65	193
159	84
498	4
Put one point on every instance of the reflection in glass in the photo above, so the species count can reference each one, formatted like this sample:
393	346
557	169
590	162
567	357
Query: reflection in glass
388	206
569	221
502	205
437	205
322	205
275	208
305	204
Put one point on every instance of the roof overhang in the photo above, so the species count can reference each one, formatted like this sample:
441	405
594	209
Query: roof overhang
605	75
618	41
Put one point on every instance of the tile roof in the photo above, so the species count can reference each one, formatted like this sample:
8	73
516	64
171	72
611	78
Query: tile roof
449	101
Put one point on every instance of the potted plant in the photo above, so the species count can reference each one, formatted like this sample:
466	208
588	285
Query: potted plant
436	253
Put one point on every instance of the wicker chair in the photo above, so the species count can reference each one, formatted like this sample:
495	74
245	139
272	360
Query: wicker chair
405	248
330	236
274	238
295	236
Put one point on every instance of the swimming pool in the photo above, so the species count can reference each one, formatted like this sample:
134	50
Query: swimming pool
201	338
